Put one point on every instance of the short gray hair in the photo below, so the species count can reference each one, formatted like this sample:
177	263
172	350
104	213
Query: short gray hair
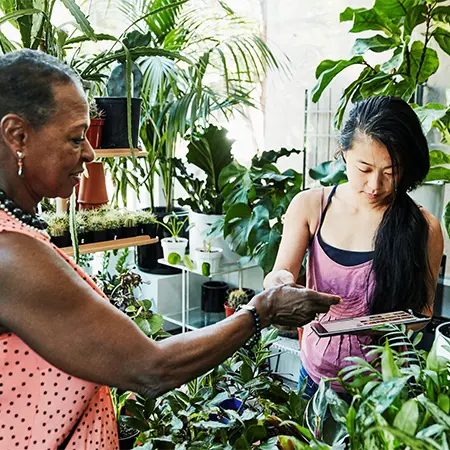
27	78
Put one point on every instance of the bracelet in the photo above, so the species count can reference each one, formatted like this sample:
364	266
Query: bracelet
257	322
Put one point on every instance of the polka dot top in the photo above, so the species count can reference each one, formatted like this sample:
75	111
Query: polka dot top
42	407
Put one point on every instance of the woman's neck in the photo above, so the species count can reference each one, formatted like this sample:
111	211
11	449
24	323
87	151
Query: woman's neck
20	196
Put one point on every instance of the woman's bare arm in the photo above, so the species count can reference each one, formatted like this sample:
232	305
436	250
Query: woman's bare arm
64	320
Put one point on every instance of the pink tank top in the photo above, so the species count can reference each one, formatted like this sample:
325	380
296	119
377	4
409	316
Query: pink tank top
39	404
325	357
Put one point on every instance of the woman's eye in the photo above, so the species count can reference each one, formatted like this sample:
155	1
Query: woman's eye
78	141
363	171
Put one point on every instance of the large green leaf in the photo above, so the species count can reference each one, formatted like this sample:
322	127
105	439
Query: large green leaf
443	39
377	44
438	157
211	152
407	418
334	68
18	14
428	114
422	64
415	16
438	173
80	18
440	416
380	399
329	173
389	368
370	19
348	13
395	8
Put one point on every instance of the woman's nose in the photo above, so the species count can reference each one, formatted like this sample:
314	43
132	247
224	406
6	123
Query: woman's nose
88	153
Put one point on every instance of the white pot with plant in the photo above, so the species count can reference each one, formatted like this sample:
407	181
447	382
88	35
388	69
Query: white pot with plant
207	259
174	247
442	343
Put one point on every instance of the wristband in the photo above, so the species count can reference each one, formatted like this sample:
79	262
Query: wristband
257	322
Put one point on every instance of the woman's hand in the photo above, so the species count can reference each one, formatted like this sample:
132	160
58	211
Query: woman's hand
279	277
291	304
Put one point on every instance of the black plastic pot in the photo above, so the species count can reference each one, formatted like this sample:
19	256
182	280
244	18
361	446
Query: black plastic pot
129	232
99	236
147	255
214	295
115	129
127	437
62	241
114	233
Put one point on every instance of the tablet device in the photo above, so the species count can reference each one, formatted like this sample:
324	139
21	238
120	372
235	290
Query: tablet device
356	325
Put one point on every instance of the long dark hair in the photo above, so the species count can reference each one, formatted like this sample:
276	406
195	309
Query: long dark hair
400	261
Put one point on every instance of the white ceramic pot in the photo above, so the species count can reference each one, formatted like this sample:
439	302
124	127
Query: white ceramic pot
213	257
199	225
170	245
430	195
443	341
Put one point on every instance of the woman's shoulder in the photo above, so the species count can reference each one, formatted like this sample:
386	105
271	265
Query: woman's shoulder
434	225
311	200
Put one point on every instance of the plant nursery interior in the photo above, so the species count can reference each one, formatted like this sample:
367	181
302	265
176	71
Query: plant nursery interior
224	224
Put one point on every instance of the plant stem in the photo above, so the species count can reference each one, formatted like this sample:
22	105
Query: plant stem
427	39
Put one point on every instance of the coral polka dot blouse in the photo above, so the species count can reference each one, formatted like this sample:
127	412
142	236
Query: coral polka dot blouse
42	407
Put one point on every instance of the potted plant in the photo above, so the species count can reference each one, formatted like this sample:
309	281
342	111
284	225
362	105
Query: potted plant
236	297
130	228
210	151
113	221
207	259
174	247
127	434
94	132
58	229
443	340
145	220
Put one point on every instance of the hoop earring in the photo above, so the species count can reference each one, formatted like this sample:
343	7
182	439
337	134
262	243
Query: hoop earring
20	163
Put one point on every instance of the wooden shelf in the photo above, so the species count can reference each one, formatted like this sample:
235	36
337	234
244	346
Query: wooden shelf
118	152
112	245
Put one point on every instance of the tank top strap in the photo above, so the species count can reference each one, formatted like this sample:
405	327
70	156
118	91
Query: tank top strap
323	210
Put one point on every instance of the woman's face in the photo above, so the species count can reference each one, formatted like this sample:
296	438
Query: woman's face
370	171
54	154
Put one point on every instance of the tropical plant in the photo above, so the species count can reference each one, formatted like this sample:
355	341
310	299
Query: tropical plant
400	400
210	151
255	201
410	62
227	60
33	19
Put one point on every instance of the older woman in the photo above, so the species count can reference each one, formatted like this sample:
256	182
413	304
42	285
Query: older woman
61	342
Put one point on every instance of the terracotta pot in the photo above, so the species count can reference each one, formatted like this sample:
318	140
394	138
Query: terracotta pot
93	189
94	132
229	311
300	336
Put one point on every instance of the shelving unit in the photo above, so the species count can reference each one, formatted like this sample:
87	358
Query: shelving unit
192	319
118	152
112	245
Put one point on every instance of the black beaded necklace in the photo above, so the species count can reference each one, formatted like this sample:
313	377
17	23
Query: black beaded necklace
13	210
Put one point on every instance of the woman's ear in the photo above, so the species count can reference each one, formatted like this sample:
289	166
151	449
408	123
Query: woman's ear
13	130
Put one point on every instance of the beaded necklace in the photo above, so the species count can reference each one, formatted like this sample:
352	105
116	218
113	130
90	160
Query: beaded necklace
13	210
